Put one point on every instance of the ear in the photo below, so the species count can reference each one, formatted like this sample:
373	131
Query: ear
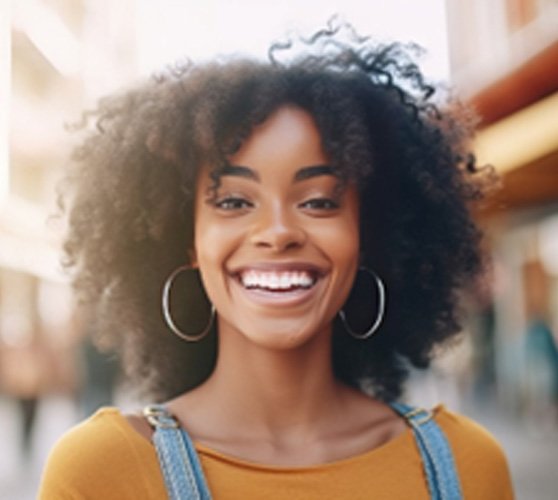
192	258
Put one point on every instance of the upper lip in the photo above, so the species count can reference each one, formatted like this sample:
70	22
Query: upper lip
293	266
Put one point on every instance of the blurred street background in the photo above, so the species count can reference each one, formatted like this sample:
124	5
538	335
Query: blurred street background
58	57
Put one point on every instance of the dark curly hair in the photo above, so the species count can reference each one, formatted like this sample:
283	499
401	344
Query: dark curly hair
132	187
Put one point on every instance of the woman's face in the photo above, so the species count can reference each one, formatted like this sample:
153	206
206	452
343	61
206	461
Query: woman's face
278	243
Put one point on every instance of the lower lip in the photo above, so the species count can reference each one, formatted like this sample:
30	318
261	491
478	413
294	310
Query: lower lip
276	298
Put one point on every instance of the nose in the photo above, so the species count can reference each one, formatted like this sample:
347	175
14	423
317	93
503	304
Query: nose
277	230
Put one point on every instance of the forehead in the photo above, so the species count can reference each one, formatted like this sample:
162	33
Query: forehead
287	145
289	135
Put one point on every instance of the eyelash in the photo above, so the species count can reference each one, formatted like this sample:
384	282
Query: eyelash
320	204
237	203
231	203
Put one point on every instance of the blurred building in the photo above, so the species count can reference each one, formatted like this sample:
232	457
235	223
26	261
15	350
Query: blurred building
56	58
504	60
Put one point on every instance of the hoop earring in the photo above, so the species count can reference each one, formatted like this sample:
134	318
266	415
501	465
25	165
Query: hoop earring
381	309
167	314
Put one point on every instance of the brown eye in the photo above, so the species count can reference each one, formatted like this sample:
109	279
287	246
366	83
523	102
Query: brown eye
320	204
233	203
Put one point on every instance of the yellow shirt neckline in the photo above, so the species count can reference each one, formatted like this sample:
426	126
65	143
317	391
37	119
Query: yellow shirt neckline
399	441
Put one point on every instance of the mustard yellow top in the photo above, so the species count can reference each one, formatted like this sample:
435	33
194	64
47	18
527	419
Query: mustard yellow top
104	458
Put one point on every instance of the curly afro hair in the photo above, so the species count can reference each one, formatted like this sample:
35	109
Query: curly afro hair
131	188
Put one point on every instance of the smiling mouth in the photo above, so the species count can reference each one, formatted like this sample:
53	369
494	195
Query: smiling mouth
278	281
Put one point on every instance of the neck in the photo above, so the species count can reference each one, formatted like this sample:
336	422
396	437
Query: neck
274	391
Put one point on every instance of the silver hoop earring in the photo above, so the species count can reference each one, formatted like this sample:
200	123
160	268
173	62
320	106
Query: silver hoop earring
381	309
167	314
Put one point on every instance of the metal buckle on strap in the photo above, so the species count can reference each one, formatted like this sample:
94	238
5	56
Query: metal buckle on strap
158	416
427	415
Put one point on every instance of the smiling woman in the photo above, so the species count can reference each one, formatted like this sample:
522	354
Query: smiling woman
320	209
277	242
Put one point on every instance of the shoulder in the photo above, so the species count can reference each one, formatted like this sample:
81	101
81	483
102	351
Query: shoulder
105	434
479	457
96	455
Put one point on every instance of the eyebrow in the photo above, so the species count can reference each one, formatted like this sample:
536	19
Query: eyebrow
237	171
315	171
301	175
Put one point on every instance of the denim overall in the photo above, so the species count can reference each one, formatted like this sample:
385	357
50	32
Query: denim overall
184	478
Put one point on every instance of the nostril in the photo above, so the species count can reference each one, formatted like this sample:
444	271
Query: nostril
293	244
284	239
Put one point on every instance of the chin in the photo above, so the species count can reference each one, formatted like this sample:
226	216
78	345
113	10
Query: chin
281	334
283	341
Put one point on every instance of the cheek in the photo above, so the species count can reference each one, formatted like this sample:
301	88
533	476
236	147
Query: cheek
347	251
209	259
340	242
343	238
214	244
207	242
210	245
345	247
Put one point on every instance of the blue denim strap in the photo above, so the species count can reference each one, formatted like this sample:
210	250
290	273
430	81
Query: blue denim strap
184	478
437	457
179	461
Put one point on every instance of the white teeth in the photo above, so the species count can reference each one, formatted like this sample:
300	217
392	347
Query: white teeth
276	280
285	281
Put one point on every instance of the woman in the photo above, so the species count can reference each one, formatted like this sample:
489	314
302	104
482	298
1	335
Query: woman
305	227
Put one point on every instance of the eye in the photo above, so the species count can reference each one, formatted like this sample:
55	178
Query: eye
231	203
320	204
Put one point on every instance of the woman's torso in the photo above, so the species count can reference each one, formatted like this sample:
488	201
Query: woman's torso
105	457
